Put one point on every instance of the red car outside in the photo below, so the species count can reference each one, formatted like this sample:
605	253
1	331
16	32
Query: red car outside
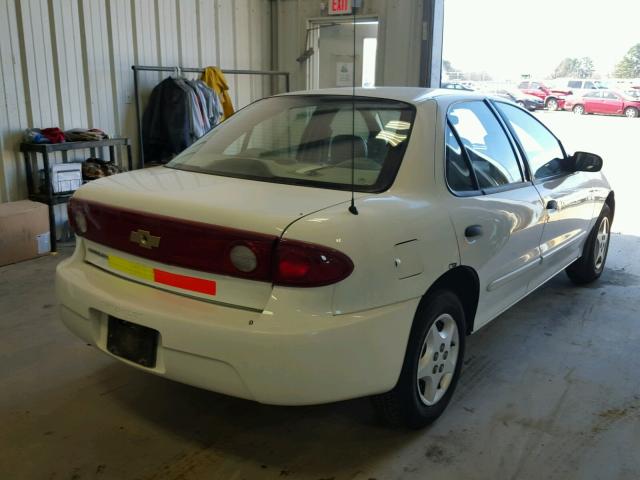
553	99
605	102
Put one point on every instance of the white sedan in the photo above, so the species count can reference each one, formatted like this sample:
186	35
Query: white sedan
243	266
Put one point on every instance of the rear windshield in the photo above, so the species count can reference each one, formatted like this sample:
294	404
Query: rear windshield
308	140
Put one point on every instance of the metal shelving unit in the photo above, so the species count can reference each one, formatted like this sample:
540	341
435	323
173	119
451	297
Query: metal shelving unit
44	192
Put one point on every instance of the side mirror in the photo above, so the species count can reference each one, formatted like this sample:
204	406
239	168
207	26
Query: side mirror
586	162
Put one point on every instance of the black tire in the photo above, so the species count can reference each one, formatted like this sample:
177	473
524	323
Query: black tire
579	109
631	112
588	267
403	406
551	104
521	104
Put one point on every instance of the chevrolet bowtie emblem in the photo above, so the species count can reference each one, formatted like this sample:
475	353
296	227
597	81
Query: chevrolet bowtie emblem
144	239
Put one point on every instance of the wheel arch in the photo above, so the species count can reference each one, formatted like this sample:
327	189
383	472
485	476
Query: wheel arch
464	282
611	202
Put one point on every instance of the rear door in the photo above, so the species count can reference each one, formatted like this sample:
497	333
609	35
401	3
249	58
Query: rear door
593	102
565	193
497	214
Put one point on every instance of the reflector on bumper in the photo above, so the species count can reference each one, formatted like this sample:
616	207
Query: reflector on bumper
156	275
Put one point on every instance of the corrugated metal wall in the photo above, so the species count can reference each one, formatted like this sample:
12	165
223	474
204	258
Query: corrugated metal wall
67	63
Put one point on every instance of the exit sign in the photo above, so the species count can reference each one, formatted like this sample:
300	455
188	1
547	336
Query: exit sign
339	7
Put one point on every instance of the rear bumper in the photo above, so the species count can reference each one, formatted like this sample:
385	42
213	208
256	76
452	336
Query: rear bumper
275	356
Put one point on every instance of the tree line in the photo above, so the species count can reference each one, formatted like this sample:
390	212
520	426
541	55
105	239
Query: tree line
628	67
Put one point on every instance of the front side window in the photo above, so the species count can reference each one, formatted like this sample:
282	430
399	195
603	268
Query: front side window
485	141
610	96
543	151
308	140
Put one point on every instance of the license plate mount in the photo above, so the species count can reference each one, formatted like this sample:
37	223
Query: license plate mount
132	342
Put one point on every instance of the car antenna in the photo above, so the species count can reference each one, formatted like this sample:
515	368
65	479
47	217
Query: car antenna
352	207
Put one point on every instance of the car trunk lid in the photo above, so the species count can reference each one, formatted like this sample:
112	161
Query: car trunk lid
174	229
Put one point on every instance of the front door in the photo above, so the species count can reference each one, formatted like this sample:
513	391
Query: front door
498	216
565	193
611	103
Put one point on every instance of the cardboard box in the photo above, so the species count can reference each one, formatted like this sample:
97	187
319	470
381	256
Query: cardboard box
24	231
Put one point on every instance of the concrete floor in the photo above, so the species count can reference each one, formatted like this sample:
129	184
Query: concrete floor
549	390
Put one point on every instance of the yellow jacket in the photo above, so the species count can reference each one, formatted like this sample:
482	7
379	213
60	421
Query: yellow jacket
214	77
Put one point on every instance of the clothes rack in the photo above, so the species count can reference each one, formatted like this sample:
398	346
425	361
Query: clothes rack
149	68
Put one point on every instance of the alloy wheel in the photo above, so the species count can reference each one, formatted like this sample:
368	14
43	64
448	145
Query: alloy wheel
578	109
438	359
631	112
552	105
602	242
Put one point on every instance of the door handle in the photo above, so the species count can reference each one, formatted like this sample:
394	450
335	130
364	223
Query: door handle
552	205
473	231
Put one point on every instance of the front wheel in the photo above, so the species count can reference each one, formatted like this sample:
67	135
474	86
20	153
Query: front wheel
552	104
594	255
631	112
578	110
431	366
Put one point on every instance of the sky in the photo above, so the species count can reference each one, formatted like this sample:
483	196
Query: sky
508	38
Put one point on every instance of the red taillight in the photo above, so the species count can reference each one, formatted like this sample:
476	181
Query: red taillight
210	248
300	264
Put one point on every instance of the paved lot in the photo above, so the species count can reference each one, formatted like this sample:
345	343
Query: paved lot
550	390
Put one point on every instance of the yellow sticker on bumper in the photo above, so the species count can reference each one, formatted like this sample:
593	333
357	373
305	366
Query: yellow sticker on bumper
131	268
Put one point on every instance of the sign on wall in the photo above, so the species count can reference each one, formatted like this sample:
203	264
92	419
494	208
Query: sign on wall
340	7
344	74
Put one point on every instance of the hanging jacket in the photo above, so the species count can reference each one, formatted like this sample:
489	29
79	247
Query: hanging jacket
212	103
167	122
214	78
197	126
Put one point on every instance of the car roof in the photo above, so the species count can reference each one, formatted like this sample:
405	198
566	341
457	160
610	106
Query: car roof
413	95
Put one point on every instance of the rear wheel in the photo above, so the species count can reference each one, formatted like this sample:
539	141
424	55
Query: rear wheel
631	112
551	104
594	255
431	366
578	109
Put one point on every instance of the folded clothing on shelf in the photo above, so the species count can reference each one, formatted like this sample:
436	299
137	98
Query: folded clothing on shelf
93	168
84	135
34	135
45	135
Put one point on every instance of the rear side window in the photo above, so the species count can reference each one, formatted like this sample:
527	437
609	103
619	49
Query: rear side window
543	151
458	174
493	159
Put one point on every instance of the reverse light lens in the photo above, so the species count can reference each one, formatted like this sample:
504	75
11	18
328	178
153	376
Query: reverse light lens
243	258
